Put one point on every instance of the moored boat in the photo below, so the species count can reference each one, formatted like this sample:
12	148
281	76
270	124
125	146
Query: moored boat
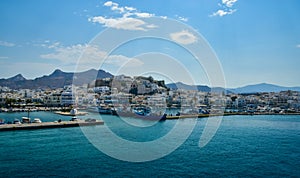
74	119
142	111
17	121
25	120
104	109
36	120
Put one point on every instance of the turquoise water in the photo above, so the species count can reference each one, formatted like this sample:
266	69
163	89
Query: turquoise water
244	146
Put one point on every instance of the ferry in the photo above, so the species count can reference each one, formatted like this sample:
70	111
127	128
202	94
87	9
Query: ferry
103	109
140	112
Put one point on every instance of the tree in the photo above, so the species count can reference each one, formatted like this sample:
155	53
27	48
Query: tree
233	98
133	90
28	101
9	101
150	78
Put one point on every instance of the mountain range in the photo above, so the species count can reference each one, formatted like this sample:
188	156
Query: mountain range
59	79
262	87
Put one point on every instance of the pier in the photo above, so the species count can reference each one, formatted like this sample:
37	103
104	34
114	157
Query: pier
48	125
224	114
71	114
195	116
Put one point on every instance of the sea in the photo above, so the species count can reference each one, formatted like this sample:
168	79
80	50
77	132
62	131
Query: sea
241	146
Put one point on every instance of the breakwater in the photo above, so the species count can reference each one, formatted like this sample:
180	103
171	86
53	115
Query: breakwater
48	125
223	114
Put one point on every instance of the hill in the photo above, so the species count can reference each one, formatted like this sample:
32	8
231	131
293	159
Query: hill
202	88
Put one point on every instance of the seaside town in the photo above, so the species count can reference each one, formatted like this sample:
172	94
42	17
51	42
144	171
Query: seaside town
140	88
145	91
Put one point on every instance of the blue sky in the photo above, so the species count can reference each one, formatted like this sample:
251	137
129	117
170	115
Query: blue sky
255	41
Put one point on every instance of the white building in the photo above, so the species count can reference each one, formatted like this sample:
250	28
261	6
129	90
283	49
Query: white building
53	99
101	89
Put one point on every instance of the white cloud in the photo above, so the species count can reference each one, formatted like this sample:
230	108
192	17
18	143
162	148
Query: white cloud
123	23
120	60
115	6
53	45
89	55
298	46
45	44
229	3
127	11
130	19
144	15
71	54
130	8
222	12
6	44
184	37
151	26
108	3
4	57
184	19
226	8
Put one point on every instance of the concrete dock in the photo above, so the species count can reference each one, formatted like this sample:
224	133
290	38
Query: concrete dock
204	115
193	116
47	125
70	114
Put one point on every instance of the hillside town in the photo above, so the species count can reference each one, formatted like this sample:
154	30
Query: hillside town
124	90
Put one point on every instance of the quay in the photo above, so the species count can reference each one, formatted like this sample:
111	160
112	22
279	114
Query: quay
195	116
70	113
224	114
48	125
184	116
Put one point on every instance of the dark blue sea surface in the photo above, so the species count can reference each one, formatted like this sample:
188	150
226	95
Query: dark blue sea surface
244	146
